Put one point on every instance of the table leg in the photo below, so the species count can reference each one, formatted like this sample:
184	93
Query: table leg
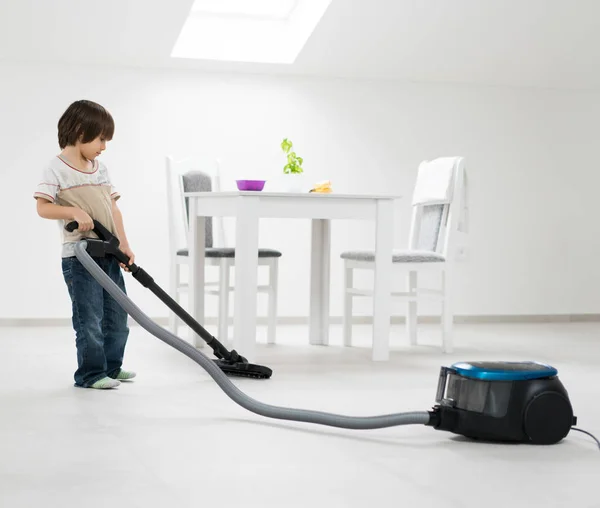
196	244
320	281
383	275
246	272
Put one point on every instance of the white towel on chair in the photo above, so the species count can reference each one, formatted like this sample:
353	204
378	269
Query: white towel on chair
435	184
434	181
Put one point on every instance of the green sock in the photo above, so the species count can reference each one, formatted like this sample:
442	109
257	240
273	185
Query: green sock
125	375
105	383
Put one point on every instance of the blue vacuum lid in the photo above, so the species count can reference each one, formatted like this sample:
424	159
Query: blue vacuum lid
504	371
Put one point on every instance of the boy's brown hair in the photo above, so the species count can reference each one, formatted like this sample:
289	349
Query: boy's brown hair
86	120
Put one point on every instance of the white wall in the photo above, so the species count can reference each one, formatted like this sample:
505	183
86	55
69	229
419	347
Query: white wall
532	172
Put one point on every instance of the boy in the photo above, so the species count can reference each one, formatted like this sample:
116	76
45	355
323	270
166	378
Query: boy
76	187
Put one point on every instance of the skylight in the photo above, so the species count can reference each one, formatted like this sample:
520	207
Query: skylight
266	9
260	31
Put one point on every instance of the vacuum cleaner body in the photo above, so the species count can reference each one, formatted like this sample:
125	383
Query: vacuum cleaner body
503	401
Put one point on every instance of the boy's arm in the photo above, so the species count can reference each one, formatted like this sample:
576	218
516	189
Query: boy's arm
124	242
49	210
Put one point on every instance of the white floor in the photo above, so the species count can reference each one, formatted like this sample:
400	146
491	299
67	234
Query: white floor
172	438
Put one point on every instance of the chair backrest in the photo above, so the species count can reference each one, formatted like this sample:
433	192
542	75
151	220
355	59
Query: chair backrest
437	202
191	175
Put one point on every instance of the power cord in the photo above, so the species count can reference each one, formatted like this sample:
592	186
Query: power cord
589	434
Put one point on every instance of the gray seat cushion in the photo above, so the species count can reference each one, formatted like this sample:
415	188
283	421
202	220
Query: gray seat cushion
229	252
402	256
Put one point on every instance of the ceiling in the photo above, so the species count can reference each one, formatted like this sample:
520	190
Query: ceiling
525	43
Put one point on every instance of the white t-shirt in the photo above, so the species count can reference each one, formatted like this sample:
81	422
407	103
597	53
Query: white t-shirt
91	191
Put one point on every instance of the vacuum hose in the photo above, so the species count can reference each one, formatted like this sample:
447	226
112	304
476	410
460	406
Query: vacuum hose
270	411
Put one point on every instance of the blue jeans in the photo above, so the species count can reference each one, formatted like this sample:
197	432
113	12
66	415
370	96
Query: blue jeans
99	322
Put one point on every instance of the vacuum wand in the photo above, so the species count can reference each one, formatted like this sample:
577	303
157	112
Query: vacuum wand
108	244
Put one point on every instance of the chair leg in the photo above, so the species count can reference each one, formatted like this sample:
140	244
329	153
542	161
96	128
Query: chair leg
447	314
273	283
224	267
411	317
173	284
347	320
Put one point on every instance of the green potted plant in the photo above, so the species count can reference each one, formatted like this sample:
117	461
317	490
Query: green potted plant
293	168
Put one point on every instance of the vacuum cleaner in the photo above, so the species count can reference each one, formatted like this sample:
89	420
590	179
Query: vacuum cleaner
519	402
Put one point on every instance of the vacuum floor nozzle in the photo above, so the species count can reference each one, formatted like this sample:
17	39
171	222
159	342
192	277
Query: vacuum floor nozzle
242	369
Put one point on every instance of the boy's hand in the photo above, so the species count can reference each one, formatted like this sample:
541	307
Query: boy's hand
84	221
129	253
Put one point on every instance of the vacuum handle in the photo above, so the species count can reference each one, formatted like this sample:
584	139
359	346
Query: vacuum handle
103	233
106	236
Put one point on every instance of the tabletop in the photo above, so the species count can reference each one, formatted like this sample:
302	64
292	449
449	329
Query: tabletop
310	195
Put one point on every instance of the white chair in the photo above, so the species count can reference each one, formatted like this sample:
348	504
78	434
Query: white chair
194	175
436	211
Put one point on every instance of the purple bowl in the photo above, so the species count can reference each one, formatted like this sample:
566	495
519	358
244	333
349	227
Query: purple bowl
250	185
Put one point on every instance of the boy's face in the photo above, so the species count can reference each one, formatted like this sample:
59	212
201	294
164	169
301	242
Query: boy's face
93	149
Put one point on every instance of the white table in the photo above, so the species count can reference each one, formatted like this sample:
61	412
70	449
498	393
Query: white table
248	207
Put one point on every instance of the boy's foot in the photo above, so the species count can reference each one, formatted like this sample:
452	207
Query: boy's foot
105	383
125	375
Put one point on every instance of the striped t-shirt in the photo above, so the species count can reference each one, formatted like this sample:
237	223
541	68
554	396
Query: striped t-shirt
91	191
